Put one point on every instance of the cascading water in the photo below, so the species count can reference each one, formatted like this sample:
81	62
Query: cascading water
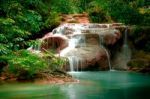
76	40
82	41
74	63
81	44
126	50
124	55
101	41
74	60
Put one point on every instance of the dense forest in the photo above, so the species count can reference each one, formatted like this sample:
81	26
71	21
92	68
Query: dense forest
23	21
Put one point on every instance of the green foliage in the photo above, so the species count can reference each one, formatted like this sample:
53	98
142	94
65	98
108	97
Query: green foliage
26	65
4	49
55	63
139	36
146	16
140	60
125	11
21	20
11	36
137	3
81	5
29	19
11	7
53	20
147	46
122	12
138	63
98	15
63	6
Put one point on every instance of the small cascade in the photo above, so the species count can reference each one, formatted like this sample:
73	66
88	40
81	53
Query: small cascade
74	41
126	50
82	41
108	57
101	42
74	63
71	63
124	55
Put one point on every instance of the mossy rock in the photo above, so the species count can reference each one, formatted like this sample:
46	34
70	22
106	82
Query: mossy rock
140	62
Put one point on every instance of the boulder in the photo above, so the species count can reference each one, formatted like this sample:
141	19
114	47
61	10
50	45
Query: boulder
56	42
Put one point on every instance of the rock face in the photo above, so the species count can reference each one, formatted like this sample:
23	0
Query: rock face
82	44
75	18
56	42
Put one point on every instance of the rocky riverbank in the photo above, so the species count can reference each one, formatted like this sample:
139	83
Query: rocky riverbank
53	78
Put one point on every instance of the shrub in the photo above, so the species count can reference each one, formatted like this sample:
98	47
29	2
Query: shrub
26	65
52	21
138	63
140	60
123	12
98	15
146	16
139	37
11	36
31	20
63	6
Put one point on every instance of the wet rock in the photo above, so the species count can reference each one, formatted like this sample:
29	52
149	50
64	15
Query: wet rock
55	42
82	44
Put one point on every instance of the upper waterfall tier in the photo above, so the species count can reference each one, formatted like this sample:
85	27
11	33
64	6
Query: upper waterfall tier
79	35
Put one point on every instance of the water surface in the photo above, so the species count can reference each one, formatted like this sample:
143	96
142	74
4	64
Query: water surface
93	85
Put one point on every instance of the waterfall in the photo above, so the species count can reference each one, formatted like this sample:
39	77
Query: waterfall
74	61
71	63
101	42
126	50
82	41
123	56
81	44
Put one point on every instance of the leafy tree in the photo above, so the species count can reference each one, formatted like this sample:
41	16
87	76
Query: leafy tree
98	15
63	6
